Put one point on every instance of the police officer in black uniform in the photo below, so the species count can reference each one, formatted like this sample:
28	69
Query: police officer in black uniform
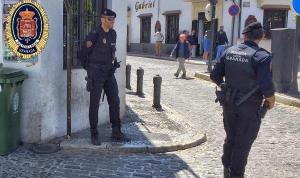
98	58
248	82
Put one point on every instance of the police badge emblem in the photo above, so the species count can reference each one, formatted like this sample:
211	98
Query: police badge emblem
27	29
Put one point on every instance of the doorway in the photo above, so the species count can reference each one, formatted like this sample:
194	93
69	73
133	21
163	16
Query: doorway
274	18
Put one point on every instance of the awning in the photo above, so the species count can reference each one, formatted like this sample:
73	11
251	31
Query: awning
174	12
274	4
145	15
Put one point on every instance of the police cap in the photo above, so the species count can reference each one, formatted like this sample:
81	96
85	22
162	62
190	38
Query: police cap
108	12
252	26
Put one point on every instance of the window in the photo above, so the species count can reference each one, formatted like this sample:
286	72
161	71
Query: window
172	28
86	16
145	29
274	19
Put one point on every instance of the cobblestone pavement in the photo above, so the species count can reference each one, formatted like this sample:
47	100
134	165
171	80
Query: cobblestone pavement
276	150
275	154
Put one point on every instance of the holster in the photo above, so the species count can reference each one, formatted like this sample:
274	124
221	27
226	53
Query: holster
263	110
221	94
116	65
226	94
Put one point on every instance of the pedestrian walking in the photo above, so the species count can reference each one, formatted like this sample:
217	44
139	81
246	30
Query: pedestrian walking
222	43
159	38
248	76
98	58
206	43
182	53
194	43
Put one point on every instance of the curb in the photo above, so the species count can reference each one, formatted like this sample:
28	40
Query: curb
164	58
280	98
182	143
197	140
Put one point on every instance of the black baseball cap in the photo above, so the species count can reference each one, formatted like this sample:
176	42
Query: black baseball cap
252	26
108	12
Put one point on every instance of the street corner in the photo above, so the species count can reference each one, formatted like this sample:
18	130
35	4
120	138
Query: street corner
166	129
149	130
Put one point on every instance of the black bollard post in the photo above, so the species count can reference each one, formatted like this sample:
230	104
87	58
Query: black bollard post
157	80
139	86
128	76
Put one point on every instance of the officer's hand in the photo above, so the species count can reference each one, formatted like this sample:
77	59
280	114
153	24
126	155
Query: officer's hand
271	102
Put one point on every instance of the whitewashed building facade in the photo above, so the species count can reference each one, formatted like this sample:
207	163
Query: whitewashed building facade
44	105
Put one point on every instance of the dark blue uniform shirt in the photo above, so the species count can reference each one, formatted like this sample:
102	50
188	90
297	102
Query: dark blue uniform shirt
262	67
102	49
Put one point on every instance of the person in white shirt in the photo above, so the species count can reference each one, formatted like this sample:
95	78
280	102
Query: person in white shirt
159	38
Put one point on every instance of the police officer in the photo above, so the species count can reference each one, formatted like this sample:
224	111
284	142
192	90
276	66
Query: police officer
248	81
98	58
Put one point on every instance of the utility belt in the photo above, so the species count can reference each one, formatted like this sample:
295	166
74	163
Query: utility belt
228	94
104	70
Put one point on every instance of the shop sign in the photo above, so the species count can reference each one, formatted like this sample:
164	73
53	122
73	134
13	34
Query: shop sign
27	29
144	5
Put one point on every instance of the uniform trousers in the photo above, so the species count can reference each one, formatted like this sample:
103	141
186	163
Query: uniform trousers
102	79
241	124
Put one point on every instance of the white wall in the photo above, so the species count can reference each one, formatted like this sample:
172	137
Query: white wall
228	21
185	18
246	11
120	7
291	20
44	92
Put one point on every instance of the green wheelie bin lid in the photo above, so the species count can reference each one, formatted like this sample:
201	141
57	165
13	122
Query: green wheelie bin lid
10	75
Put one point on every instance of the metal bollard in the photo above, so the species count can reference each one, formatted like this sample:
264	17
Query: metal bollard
139	86
157	80
128	76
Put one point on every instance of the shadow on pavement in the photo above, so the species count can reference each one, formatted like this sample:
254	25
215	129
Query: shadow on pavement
94	163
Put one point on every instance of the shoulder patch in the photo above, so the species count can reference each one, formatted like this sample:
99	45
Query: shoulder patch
262	56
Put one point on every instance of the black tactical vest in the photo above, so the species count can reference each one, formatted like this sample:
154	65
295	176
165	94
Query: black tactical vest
239	70
104	47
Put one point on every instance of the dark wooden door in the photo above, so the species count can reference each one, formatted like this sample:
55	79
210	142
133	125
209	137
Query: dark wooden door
172	28
145	29
274	19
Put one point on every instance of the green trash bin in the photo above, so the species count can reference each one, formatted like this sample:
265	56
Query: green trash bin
10	105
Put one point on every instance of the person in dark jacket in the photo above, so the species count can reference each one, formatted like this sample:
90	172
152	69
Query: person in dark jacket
182	53
222	37
248	81
98	59
194	43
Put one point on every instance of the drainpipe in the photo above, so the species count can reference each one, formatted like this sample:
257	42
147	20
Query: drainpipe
233	27
240	18
158	9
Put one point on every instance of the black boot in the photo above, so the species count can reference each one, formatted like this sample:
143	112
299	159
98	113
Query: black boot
176	75
117	135
95	139
226	172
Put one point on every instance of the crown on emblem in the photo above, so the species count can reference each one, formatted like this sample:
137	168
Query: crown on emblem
27	14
